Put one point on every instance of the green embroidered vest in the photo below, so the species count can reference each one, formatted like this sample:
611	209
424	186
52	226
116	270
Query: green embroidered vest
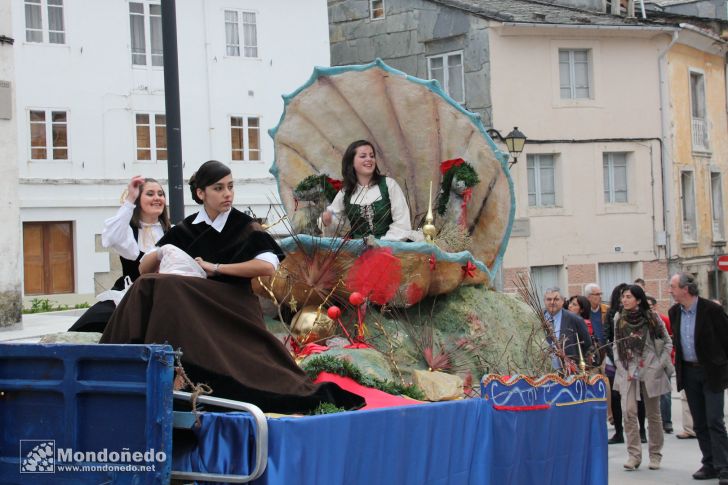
370	219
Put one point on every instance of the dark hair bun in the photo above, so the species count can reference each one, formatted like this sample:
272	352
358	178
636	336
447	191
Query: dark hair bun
193	188
209	173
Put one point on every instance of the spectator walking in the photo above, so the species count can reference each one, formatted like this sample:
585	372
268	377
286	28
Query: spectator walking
701	360
615	402
642	349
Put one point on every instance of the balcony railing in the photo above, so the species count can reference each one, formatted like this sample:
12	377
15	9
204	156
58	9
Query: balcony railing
700	134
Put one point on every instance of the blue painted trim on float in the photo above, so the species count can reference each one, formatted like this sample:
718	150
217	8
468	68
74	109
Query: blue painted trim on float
435	87
357	246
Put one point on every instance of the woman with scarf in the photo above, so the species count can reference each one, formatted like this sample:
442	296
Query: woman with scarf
642	349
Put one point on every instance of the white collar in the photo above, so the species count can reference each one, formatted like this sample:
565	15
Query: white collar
218	224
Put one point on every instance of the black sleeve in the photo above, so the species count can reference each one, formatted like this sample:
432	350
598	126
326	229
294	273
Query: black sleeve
720	326
182	235
170	237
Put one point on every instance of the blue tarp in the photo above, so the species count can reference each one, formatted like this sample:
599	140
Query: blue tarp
497	440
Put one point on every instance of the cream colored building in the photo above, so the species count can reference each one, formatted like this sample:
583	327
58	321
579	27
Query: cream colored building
698	142
589	204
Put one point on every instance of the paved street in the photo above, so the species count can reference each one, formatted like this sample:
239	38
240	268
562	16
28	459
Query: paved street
680	457
35	325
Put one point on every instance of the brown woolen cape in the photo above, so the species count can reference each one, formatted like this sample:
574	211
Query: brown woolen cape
218	323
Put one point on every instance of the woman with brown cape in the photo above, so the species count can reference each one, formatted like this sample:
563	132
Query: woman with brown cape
217	322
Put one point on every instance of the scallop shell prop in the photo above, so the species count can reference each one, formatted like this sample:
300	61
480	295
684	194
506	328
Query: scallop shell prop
414	126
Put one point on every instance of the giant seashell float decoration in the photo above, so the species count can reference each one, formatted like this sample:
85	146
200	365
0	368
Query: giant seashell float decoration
414	126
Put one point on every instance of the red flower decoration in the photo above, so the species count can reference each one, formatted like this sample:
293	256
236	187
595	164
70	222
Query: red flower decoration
448	164
469	269
433	262
376	274
335	183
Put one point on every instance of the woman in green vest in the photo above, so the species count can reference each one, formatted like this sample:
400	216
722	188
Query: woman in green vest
373	204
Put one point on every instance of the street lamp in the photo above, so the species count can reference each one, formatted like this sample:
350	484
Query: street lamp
515	140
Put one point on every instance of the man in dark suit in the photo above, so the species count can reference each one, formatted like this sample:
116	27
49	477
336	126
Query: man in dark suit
567	327
700	328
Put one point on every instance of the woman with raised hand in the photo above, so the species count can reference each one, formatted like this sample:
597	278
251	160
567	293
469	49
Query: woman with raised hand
139	223
642	350
217	321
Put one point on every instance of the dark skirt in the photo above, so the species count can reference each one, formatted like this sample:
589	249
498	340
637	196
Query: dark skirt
95	318
224	342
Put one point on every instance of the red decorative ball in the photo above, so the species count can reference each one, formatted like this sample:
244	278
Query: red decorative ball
334	312
356	298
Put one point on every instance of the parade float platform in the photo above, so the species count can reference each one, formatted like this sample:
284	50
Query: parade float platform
90	397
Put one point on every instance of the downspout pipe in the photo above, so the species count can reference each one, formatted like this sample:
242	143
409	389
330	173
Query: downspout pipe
668	217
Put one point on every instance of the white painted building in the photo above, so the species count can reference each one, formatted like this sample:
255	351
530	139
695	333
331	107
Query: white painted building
90	111
10	281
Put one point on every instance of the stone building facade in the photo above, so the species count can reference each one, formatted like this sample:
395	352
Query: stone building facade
411	33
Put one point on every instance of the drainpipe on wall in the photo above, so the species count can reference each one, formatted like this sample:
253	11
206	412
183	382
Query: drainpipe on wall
667	199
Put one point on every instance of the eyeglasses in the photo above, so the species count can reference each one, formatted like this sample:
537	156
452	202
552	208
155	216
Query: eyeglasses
596	294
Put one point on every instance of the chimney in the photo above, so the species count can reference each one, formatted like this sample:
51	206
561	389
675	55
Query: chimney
620	7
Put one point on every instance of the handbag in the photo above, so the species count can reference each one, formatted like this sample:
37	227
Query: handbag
115	295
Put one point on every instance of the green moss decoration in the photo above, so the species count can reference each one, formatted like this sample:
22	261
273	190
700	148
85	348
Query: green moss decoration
327	363
314	185
327	408
464	172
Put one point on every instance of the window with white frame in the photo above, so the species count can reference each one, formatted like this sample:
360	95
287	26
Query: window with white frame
237	21
698	112
689	220
716	196
145	21
151	137
613	274
541	180
615	178
544	277
48	134
44	28
245	138
376	9
575	73
447	69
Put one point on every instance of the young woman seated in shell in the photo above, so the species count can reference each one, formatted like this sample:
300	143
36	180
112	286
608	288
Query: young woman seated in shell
373	204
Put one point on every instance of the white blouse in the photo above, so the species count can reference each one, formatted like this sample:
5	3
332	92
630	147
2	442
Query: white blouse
117	234
401	227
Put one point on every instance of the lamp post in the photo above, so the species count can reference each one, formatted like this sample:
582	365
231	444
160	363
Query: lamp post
515	140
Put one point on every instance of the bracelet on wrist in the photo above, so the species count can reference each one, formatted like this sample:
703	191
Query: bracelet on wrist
216	269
